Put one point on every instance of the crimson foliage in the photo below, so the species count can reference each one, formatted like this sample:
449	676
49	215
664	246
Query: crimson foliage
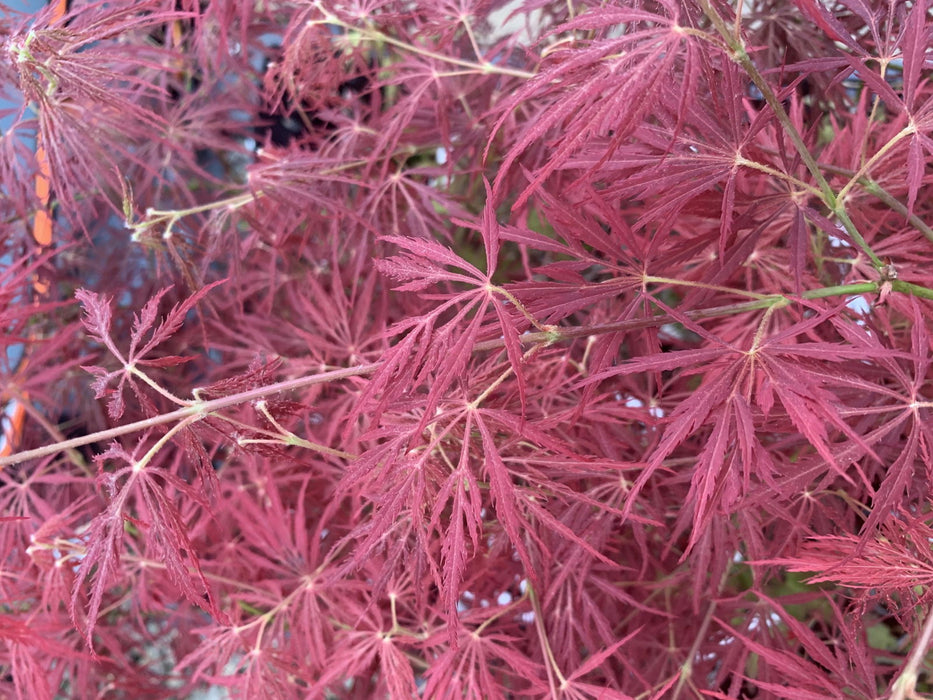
386	349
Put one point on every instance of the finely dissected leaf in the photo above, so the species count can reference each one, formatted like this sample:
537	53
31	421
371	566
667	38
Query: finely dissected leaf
425	264
168	533
469	670
799	241
916	165
915	40
464	521
97	320
100	563
358	650
99	567
802	678
816	666
690	414
167	327
605	86
432	353
719	479
596	660
899	474
579	353
827	22
504	496
878	567
97	315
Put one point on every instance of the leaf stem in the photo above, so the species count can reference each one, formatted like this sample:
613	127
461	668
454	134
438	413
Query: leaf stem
158	388
162	441
287	437
905	687
172	216
551	662
866	167
873	188
197	408
777	174
202	408
777	300
484	67
648	279
894	204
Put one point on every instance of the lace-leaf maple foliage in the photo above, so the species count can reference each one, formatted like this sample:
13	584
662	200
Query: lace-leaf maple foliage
467	349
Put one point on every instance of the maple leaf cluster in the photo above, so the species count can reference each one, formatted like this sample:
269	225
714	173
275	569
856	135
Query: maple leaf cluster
467	349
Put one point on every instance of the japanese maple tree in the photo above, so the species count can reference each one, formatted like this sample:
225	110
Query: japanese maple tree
467	349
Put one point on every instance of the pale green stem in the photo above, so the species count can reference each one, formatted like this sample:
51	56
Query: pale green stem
377	36
894	204
518	305
155	216
864	170
551	662
136	372
789	179
289	438
876	190
700	285
162	441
